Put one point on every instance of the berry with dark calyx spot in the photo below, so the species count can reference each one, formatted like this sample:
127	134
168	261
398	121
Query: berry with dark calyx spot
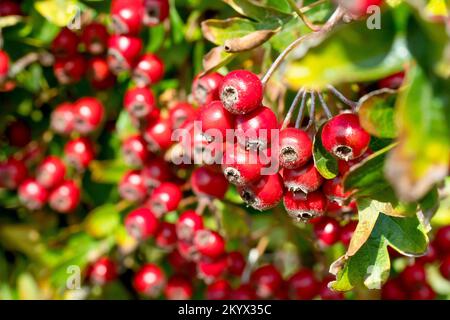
188	250
134	151
32	195
413	276
243	292
127	16
263	194
210	269
295	148
166	235
393	290
305	207
266	280
254	129
65	198
393	81
241	167
303	285
123	51
188	224
10	8
205	89
334	190
165	198
442	240
241	92
62	119
149	280
50	173
344	137
209	183
214	116
65	43
4	66
218	290
305	179
102	271
424	292
156	11
209	243
326	293
155	171
444	268
159	135
12	173
141	223
149	70
70	70
139	102
181	113
79	153
89	114
327	230
95	38
347	232
132	187
99	74
236	263
178	287
18	134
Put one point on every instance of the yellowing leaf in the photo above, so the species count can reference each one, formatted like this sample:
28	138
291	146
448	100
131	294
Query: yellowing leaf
59	12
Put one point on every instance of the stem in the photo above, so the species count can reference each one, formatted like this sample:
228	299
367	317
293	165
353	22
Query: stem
253	257
203	202
302	16
325	106
287	120
28	59
298	122
312	111
344	99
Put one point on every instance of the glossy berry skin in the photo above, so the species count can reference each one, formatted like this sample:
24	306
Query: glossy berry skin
347	232
181	113
424	292
89	114
155	171
102	271
141	223
178	287
444	268
166	235
218	290
303	285
149	280
254	129
70	70
10	8
127	16
236	263
413	276
187	250
159	135
65	197
65	43
210	269
442	240
132	187
32	195
241	92
178	262
209	243
149	70
358	8
50	173
242	167
264	194
205	89
165	198
344	137
95	38
334	190
266	280
123	52
327	231
139	102
393	290
243	292
305	207
79	153
99	74
209	183
134	151
188	224
18	134
295	148
214	117
4	65
306	179
156	11
62	119
12	173
393	81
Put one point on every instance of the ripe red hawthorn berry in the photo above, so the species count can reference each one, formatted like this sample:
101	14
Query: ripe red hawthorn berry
123	51
134	151
50	173
62	119
180	263
155	171
209	183
32	195
442	240
344	137
188	224
393	81
99	74
70	70
141	223
188	250
65	197
10	8
18	134
65	44
139	102
209	243
334	190
95	38
347	232
12	173
149	280
102	271
216	119
218	290
305	207
132	187
305	179
205	89
264	194
303	285
413	276
89	114
79	153
241	92
159	135
295	148
166	235
266	280
179	287
243	292
327	231
424	292
127	16
430	256
4	66
210	269
236	263
156	11
165	198
149	70
254	129
393	290
181	113
444	268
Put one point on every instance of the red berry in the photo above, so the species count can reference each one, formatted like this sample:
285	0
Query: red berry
139	102
70	70
243	292
181	113
266	280
65	198
89	114
156	11
18	134
178	262
178	287
188	224
295	148
359	8
134	150
209	243
306	179
205	89
10	8
127	16
62	119
32	195
263	194
79	153
166	235
305	207
344	137
207	182
12	173
159	135
442	240
241	167
326	293
393	290
210	269
445	267
241	92
413	276
393	81
132	187
50	173
99	74
236	263
4	66
424	292
327	230
123	51
254	129
155	171
303	285
65	43
149	70
215	119
102	271
165	198
149	280
334	190
141	223
95	38
187	250
218	290
347	232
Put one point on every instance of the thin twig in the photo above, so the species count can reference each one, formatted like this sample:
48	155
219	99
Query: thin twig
302	16
253	257
324	106
298	122
288	117
312	111
344	99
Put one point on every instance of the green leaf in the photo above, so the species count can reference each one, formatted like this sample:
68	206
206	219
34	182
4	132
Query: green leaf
27	287
233	220
59	12
102	221
216	58
257	11
326	164
108	171
124	126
